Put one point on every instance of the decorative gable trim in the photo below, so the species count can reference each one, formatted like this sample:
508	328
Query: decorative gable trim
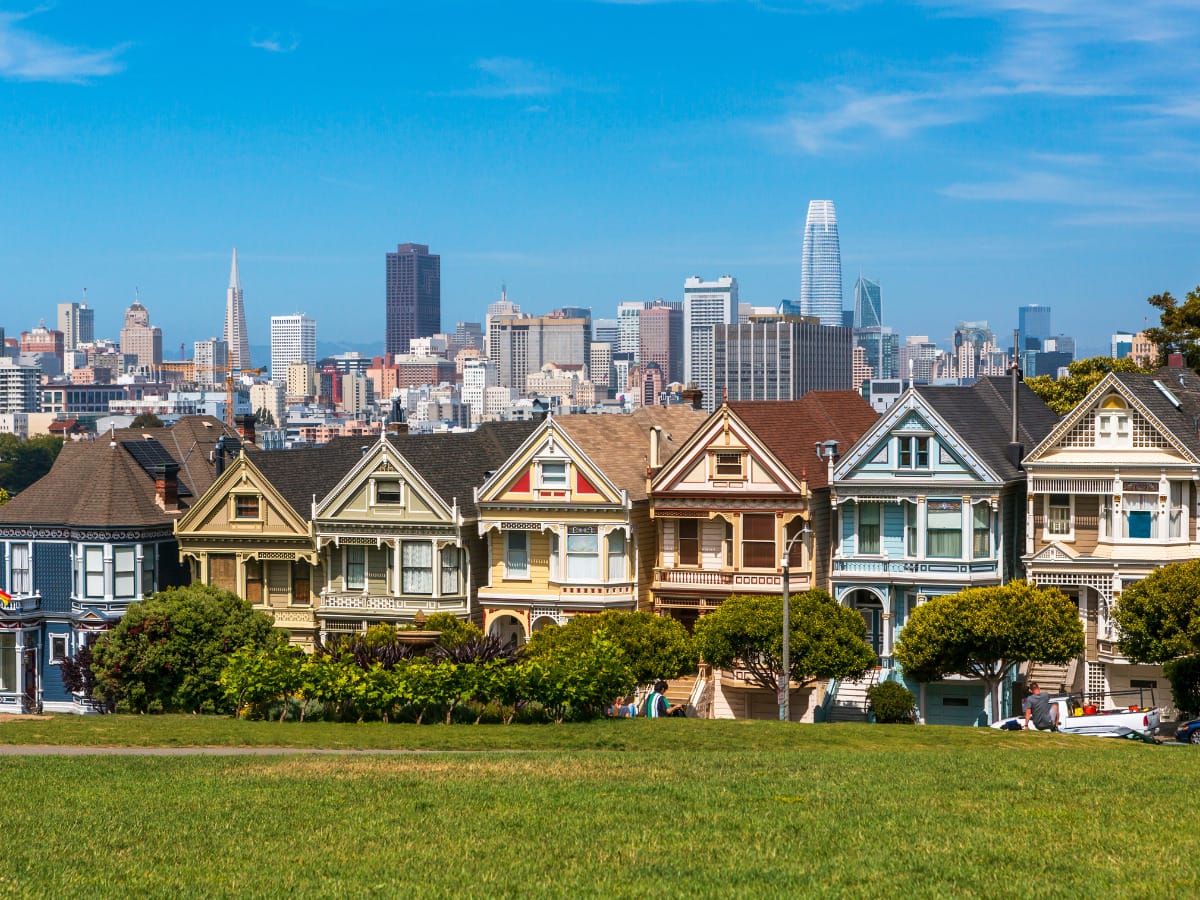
386	459
1054	552
242	475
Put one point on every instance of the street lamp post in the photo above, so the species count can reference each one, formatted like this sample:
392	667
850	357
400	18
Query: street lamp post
785	676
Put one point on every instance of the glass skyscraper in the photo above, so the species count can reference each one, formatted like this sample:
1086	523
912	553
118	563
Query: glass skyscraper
1034	325
821	266
868	303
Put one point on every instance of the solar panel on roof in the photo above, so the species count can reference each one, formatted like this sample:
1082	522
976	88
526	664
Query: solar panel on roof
149	453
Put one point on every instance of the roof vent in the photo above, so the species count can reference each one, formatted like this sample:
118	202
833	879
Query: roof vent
1167	393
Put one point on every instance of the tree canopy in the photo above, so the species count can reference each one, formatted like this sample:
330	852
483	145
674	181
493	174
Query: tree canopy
1178	330
168	651
1063	394
146	420
654	646
985	632
1159	616
24	462
827	640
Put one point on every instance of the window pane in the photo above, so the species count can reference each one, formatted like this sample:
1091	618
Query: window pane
554	474
616	556
245	507
516	554
356	567
416	577
450	564
689	542
583	557
8	662
758	528
388	492
22	581
93	567
149	568
868	528
922	452
981	546
1060	514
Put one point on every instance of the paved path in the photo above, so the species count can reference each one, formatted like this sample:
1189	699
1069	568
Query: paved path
58	750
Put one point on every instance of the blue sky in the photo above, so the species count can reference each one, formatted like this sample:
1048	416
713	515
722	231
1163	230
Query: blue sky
981	155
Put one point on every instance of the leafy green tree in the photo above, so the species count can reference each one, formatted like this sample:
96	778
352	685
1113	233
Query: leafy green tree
1178	330
1184	675
986	632
255	677
1063	394
581	680
655	646
4	496
827	640
24	462
167	652
1159	616
453	630
146	420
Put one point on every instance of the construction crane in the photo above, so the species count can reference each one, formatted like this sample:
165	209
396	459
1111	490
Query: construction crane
231	376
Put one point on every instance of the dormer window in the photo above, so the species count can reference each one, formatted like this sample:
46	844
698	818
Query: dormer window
245	506
1113	423
914	452
728	465
554	475
388	492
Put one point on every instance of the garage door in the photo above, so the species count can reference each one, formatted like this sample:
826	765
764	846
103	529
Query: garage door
954	704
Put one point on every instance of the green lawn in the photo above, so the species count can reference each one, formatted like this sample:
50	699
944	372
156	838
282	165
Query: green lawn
674	808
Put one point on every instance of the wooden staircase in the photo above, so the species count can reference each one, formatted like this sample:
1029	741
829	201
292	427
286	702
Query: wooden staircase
851	703
679	690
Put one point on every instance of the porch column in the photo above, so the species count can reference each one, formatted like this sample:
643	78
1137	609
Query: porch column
920	527
396	579
20	651
967	519
888	637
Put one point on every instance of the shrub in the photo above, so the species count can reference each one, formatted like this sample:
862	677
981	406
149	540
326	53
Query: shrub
453	629
654	646
1184	674
892	703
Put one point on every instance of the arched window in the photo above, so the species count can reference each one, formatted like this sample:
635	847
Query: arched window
1113	423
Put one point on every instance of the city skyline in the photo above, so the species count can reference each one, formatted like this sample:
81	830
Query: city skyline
932	149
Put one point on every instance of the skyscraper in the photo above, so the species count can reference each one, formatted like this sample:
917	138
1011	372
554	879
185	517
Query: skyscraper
236	338
77	323
821	265
523	345
868	303
781	358
414	296
211	359
660	332
705	304
1034	325
293	340
139	338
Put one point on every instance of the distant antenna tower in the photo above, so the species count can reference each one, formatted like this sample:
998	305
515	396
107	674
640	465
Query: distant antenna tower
182	352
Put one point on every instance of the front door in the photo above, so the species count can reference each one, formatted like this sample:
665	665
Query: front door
873	616
31	680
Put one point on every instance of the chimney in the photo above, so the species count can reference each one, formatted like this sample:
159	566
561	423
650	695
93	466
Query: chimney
166	486
655	437
694	396
246	428
1175	360
219	456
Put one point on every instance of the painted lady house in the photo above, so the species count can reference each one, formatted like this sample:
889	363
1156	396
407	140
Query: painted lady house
91	537
1114	493
333	539
931	501
751	483
565	519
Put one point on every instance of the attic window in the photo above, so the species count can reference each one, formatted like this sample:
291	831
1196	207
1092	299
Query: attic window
727	465
554	475
389	493
245	506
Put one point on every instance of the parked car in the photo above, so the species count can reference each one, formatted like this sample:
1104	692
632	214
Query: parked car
1188	732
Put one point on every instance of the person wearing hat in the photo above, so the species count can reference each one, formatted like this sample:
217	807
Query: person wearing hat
1040	710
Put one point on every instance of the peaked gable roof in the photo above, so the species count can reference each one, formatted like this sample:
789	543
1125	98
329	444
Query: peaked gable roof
619	445
790	429
981	416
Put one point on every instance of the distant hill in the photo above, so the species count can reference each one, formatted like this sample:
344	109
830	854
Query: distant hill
261	353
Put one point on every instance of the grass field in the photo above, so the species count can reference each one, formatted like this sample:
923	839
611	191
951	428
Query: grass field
618	808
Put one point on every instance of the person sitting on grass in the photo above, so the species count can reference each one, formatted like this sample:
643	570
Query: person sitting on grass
1040	710
657	706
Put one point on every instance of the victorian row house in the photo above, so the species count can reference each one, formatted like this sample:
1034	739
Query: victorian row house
334	539
566	518
1114	493
747	493
932	501
92	536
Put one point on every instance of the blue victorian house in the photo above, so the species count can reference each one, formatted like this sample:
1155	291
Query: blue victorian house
88	539
931	500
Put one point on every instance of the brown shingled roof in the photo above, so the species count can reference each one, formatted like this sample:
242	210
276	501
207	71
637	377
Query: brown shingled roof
791	428
620	444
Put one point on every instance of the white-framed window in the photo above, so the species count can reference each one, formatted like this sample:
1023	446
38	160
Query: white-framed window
387	492
416	567
356	567
553	475
910	529
516	555
869	515
22	570
687	544
8	661
124	572
1113	428
583	553
1060	517
451	566
616	556
93	571
914	452
729	464
58	648
943	529
149	568
246	507
981	530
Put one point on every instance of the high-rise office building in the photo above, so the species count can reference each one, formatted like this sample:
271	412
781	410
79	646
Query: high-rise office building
18	387
501	309
781	358
414	295
1033	326
523	345
629	318
705	305
77	322
211	360
821	265
139	338
661	339
237	339
868	303
478	376
600	366
917	358
606	331
293	340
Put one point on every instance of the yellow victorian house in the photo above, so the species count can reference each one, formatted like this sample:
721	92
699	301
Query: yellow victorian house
566	522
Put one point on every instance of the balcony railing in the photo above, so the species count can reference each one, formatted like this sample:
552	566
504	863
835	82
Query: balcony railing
914	567
384	604
751	581
18	605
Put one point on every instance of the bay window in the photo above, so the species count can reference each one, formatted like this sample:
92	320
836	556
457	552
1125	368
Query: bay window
516	555
758	542
124	567
450	567
910	529
22	574
583	553
416	567
981	519
868	528
356	568
93	571
616	556
1058	514
943	529
689	542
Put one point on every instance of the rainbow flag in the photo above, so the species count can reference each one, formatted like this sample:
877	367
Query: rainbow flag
5	598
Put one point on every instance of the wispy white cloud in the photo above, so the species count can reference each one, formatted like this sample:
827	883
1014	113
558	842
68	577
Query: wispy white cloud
508	76
276	43
28	56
